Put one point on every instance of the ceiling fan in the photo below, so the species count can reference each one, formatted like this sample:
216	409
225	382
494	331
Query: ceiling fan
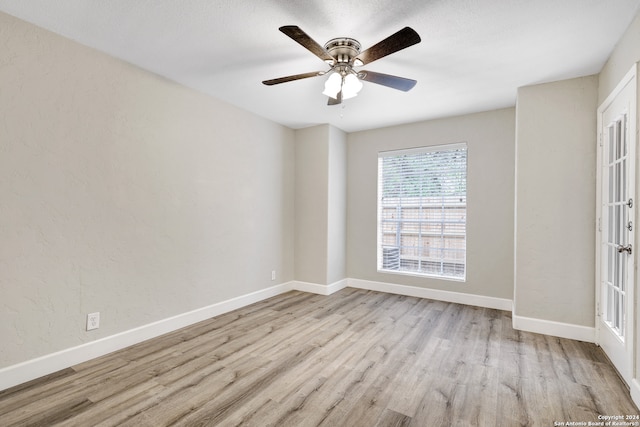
343	56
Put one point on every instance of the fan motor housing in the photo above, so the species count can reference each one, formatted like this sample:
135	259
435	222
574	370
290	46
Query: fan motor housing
344	49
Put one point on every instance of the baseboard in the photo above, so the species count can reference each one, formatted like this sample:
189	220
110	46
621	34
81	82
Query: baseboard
45	365
556	329
315	288
448	296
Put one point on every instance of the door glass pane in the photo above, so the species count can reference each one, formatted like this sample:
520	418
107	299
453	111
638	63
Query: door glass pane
623	182
616	225
610	132
623	225
617	186
616	266
617	140
610	263
611	214
616	310
610	177
609	304
623	133
621	314
623	270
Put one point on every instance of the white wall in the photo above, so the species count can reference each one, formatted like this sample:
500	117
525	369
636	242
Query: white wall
490	194
625	54
337	207
320	200
124	193
311	199
555	201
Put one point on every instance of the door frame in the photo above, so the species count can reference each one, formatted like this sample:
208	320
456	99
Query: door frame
631	311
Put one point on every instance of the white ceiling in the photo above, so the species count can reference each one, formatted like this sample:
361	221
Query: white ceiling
473	55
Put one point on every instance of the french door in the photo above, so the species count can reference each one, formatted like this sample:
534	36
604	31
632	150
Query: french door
617	207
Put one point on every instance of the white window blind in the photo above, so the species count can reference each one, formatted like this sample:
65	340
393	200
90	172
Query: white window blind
422	210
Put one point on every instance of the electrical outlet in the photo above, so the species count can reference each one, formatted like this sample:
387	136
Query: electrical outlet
273	275
93	321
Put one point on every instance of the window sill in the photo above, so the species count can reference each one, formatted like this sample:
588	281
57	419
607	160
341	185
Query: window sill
424	275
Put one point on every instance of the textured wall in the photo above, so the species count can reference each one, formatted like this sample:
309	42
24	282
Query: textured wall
337	207
311	199
555	206
626	53
490	192
321	205
123	193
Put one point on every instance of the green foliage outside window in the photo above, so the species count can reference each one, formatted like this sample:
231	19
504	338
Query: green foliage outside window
431	174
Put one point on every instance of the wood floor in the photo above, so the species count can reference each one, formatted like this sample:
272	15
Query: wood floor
355	358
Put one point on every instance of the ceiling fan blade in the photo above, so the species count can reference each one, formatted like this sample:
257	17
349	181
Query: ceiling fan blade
402	39
335	101
388	80
292	78
302	38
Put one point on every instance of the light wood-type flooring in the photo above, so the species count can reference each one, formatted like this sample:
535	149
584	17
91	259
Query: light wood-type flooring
354	358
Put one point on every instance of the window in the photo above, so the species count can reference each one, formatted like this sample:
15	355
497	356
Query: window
422	210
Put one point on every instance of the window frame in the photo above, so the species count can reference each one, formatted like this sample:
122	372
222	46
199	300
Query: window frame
379	205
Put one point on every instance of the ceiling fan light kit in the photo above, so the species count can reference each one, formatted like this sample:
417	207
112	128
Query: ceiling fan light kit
351	85
333	85
346	82
342	55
